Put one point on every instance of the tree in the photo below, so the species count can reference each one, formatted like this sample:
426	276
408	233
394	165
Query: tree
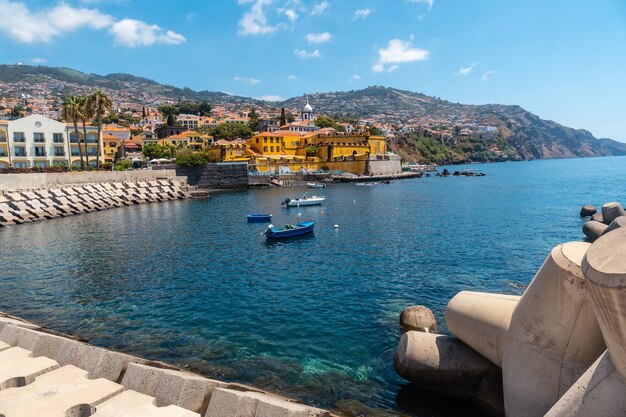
230	131
157	151
143	112
70	112
375	131
204	109
283	117
326	121
17	111
84	115
171	121
99	103
255	122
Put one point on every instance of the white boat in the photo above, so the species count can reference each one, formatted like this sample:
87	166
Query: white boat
303	201
316	185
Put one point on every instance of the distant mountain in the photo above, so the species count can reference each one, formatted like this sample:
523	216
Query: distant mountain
522	134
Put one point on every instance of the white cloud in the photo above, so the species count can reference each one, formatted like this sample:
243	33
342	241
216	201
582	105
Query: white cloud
246	80
291	14
318	37
355	77
292	77
429	3
132	33
254	21
305	54
398	52
43	25
271	98
27	26
463	71
38	60
362	13
320	8
191	16
486	75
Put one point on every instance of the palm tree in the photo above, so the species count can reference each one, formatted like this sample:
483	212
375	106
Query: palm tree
84	115
71	112
99	103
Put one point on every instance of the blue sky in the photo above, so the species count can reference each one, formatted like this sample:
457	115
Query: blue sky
563	60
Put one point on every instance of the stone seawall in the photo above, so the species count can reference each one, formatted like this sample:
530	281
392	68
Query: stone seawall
24	206
42	180
217	176
44	373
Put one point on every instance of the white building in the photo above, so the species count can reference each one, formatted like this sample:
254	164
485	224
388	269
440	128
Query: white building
36	141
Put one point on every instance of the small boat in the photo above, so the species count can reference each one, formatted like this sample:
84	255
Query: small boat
259	218
289	230
316	185
304	201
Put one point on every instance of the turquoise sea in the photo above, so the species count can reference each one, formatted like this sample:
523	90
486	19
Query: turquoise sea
190	282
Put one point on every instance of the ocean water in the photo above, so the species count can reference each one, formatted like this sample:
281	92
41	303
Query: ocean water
190	282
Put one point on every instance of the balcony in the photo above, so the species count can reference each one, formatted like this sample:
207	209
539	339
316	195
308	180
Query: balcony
40	153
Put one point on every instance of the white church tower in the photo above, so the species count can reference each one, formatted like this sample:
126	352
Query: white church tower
306	115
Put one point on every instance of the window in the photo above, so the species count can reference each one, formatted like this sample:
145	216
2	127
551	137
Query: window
40	151
3	165
3	138
59	151
271	140
20	151
112	144
73	138
20	164
91	138
257	139
265	149
19	137
2	152
92	151
57	137
271	149
75	152
39	137
41	164
264	140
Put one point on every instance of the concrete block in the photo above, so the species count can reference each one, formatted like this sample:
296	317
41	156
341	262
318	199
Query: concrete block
554	334
599	392
440	363
594	229
229	403
482	321
610	211
134	404
604	267
18	367
99	362
4	346
57	393
168	386
418	318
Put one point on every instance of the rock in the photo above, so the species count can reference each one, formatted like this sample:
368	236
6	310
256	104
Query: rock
610	211
594	229
445	172
588	210
418	318
597	217
616	224
456	173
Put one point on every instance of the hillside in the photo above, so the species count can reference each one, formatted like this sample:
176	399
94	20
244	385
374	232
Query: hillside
520	134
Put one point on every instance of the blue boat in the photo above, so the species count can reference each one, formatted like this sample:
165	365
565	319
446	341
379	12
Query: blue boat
259	218
290	230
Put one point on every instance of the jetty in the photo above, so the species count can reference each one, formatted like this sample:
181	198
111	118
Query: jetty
373	178
45	373
558	350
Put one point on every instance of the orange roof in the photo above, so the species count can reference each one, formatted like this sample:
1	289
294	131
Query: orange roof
109	137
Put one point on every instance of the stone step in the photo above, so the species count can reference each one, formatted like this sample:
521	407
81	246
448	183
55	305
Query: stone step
20	368
134	404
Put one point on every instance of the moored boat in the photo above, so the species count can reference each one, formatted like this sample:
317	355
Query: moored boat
304	201
289	230
259	218
316	185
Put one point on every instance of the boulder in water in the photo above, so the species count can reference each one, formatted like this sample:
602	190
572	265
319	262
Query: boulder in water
588	210
418	318
611	211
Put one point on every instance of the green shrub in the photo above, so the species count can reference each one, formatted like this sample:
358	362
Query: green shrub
123	165
190	159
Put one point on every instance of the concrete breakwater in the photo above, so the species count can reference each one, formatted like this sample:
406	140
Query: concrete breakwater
61	200
47	373
556	351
